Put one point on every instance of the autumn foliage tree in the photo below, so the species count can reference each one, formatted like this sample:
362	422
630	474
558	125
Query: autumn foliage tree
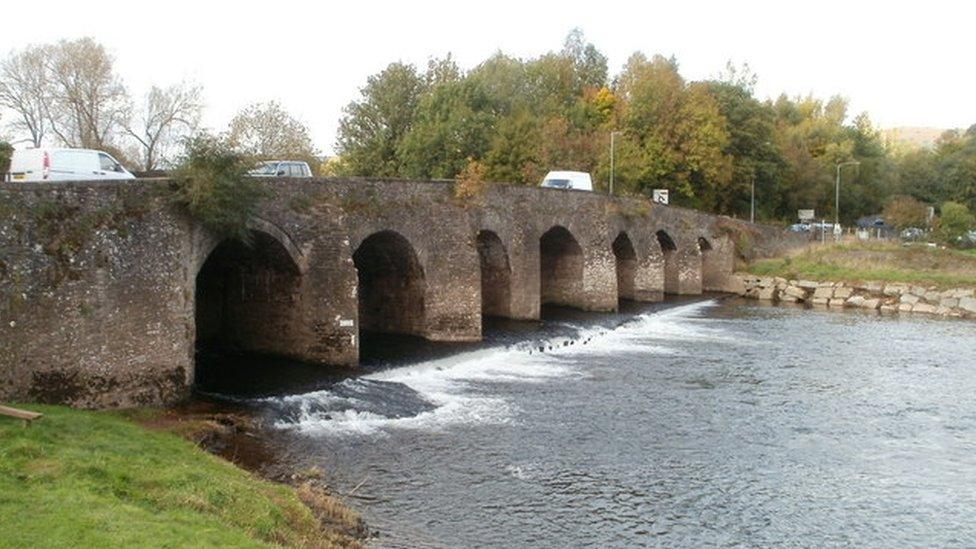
905	211
265	131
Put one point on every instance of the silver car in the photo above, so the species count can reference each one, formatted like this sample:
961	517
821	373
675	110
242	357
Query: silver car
281	168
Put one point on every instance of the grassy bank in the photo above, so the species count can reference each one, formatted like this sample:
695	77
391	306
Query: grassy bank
875	262
97	479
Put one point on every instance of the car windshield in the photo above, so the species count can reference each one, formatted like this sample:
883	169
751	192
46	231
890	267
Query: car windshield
557	183
266	168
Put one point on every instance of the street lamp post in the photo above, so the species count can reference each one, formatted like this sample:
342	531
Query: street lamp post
612	134
837	190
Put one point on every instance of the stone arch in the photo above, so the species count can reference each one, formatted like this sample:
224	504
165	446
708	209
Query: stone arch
391	285
671	268
496	275
245	294
560	268
626	265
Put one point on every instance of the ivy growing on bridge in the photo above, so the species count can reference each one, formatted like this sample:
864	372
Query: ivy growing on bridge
211	182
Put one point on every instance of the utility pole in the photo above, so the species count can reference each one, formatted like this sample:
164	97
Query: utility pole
837	190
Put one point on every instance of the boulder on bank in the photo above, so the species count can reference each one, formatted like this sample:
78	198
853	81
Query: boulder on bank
888	298
824	292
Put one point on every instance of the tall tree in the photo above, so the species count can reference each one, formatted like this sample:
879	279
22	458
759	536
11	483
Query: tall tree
678	127
266	131
25	89
166	117
373	127
452	125
590	66
756	161
88	102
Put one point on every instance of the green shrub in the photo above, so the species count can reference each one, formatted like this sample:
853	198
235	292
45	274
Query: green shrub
6	152
211	182
954	221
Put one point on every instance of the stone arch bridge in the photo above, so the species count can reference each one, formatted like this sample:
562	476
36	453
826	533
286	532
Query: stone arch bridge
107	288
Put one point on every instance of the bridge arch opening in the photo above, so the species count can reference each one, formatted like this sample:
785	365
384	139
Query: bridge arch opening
561	268
245	300
391	285
496	276
671	271
626	260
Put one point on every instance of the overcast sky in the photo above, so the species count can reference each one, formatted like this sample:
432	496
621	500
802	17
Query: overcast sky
906	63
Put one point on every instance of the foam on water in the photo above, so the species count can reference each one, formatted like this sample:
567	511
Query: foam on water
456	390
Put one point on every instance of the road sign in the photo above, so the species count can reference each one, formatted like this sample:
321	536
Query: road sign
660	196
805	215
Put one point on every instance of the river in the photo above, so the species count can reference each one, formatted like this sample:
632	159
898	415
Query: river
692	423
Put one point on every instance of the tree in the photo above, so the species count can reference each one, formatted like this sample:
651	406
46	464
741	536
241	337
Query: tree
452	126
954	220
905	211
372	129
956	166
24	89
167	116
755	158
88	103
266	131
679	128
590	66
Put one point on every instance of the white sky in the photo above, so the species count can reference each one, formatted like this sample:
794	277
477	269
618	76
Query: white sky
906	63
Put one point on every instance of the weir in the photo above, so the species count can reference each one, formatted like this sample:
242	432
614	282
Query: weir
107	289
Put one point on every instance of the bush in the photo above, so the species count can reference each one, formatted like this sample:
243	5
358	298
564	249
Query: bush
211	182
905	211
955	220
6	152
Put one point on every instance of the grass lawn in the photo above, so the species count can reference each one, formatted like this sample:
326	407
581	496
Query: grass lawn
876	262
96	479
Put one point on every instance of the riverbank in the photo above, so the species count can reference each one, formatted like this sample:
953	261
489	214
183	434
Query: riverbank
918	265
880	296
113	479
890	278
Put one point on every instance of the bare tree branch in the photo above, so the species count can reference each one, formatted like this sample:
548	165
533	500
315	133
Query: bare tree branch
24	87
166	116
88	102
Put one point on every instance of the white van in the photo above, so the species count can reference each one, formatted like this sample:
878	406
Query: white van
579	181
64	165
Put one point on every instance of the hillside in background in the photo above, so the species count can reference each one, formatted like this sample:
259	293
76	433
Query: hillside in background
913	137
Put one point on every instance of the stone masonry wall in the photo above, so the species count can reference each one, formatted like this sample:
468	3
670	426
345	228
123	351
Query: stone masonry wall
98	279
876	296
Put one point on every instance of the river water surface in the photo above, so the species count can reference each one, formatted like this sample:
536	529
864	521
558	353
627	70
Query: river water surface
709	422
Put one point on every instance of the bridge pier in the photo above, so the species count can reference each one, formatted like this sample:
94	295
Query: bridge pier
525	291
649	275
688	268
600	292
718	264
